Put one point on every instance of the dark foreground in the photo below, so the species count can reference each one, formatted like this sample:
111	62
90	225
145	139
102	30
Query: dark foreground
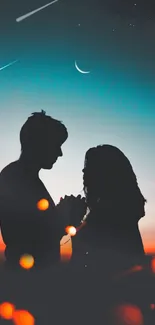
56	295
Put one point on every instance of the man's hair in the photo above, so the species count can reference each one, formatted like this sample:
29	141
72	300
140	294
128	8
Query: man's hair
39	128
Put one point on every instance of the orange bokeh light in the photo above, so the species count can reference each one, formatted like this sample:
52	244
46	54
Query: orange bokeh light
23	317
128	314
6	310
26	261
152	306
2	245
153	264
137	268
43	204
71	230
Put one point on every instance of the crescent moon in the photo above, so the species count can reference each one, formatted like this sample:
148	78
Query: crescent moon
81	71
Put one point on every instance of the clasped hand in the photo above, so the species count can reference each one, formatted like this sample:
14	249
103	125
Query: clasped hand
72	209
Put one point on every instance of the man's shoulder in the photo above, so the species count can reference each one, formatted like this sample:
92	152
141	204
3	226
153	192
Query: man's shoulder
9	171
9	176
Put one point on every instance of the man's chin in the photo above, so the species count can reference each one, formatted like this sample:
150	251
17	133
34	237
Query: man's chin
48	166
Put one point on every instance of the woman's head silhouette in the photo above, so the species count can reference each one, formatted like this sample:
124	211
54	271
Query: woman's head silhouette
110	183
41	138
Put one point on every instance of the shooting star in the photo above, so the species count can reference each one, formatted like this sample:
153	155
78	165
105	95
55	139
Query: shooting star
34	11
7	65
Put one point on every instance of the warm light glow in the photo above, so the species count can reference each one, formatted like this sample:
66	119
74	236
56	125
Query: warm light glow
150	249
43	204
23	317
6	310
153	264
2	245
136	268
71	230
149	243
152	306
26	261
65	248
128	314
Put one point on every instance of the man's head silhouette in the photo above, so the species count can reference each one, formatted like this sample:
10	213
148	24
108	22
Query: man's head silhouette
41	139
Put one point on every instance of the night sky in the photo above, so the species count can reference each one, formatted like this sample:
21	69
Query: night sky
114	103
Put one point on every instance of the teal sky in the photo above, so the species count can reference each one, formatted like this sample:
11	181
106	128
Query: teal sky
113	104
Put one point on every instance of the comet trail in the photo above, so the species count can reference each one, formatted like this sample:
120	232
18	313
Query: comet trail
8	65
34	11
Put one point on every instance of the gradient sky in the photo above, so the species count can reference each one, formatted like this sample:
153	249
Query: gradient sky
113	104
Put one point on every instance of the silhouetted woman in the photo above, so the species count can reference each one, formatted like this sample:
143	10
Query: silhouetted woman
110	237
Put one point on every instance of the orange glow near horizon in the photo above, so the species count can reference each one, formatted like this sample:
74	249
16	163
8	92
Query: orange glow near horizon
150	249
6	310
65	249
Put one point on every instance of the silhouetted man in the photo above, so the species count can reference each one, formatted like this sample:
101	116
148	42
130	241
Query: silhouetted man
25	227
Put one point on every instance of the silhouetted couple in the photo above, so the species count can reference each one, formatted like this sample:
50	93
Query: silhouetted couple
112	195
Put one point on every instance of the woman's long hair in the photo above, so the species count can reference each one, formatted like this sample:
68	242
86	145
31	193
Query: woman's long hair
110	184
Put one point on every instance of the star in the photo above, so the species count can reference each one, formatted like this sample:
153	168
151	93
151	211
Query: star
132	25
